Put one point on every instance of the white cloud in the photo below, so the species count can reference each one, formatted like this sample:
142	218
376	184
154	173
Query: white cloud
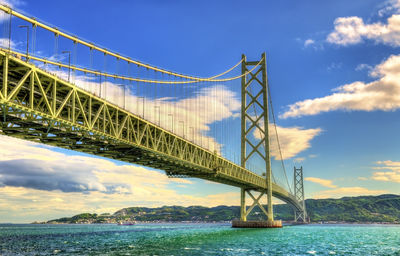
347	191
353	30
381	94
183	116
18	204
333	66
364	66
392	173
98	185
292	140
322	182
30	165
389	7
5	43
308	42
10	3
57	199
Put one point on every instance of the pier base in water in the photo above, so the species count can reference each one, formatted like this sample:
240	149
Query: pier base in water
256	224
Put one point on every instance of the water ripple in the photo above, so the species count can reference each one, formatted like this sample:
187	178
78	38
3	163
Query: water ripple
198	239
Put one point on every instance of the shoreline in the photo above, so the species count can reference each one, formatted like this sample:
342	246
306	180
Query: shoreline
285	223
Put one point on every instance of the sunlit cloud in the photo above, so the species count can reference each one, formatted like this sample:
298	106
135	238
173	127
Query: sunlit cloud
6	43
364	66
346	191
308	42
322	182
31	165
10	3
391	173
68	184
353	30
381	94
390	7
24	204
292	140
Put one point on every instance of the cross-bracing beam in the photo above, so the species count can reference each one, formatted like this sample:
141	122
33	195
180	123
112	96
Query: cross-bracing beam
255	97
299	215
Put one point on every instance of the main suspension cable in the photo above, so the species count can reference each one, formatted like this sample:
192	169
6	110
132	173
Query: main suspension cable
277	137
92	46
59	64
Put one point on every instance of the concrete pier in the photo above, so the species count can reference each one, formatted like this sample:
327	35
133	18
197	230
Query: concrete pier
256	224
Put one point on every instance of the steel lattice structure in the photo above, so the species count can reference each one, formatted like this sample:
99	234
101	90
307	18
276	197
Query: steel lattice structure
38	106
258	97
300	215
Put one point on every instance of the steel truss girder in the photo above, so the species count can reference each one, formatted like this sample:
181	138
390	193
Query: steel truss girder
38	106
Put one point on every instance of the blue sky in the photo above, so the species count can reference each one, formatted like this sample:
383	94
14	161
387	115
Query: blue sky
348	136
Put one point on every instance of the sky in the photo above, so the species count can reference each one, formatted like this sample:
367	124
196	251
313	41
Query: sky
333	69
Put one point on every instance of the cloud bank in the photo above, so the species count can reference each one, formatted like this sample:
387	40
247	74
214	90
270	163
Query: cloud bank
353	30
347	191
30	165
38	183
322	182
381	94
391	173
293	140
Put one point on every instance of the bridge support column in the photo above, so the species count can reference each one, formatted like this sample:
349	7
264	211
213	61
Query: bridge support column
299	215
243	216
254	120
244	213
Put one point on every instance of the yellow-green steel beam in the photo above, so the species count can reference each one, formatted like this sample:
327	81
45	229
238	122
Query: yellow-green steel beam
81	121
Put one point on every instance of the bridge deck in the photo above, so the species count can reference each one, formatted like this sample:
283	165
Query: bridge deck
38	106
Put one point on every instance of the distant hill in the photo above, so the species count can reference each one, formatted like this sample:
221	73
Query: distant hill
383	208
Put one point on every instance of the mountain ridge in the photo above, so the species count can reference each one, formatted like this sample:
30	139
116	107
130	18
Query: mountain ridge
361	209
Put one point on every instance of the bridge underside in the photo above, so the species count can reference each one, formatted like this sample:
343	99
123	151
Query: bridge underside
38	106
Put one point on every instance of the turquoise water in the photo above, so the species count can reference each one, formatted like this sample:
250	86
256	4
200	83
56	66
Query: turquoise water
198	239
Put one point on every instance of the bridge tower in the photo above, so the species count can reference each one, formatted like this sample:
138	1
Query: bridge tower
299	216
254	94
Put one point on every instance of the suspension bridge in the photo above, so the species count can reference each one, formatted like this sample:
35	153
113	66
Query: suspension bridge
106	104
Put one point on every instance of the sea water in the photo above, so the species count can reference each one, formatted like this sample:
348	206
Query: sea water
198	239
